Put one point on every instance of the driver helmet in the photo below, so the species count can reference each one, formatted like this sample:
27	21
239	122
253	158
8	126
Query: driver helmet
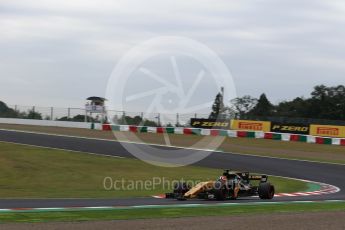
223	178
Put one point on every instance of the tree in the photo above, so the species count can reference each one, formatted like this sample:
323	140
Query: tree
324	103
218	109
137	120
65	118
298	107
263	107
320	92
78	118
32	114
328	102
150	123
240	106
339	96
81	118
5	111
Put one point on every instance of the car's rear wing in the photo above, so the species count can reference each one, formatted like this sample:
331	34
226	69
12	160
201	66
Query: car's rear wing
262	178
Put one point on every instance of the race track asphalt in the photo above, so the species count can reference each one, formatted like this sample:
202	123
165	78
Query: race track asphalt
320	172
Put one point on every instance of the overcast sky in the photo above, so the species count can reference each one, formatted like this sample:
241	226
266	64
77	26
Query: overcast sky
57	53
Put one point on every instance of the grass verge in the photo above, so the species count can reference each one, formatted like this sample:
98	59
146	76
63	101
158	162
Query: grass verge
33	172
149	213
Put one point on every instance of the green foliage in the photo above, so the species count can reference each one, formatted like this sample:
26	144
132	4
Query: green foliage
172	212
5	111
324	103
78	118
32	114
34	172
218	108
263	107
241	106
137	120
150	123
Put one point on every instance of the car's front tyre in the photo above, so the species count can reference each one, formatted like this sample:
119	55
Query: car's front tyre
266	191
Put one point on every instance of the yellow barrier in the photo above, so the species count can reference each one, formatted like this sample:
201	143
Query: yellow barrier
264	126
327	131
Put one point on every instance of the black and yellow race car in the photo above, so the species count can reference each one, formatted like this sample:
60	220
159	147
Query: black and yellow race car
231	185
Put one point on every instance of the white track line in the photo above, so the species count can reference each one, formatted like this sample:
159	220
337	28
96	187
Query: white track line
61	149
160	206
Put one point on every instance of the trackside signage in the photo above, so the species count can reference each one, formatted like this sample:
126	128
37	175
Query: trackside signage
327	131
290	128
210	123
264	126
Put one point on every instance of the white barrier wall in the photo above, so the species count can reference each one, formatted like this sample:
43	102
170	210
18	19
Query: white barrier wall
66	124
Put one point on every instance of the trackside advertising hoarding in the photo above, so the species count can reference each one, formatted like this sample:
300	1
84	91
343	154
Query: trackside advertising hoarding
264	126
290	128
327	131
210	123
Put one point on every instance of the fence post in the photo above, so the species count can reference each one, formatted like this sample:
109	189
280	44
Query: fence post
159	119
102	117
123	118
195	115
16	108
33	112
69	113
177	120
142	119
85	115
51	113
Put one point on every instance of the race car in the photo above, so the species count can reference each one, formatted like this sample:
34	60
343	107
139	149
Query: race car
230	186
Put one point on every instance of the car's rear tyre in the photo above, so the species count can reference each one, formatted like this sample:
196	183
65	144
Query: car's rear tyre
180	189
266	191
220	192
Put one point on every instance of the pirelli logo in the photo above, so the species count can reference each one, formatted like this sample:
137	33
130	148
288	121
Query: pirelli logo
328	131
250	126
